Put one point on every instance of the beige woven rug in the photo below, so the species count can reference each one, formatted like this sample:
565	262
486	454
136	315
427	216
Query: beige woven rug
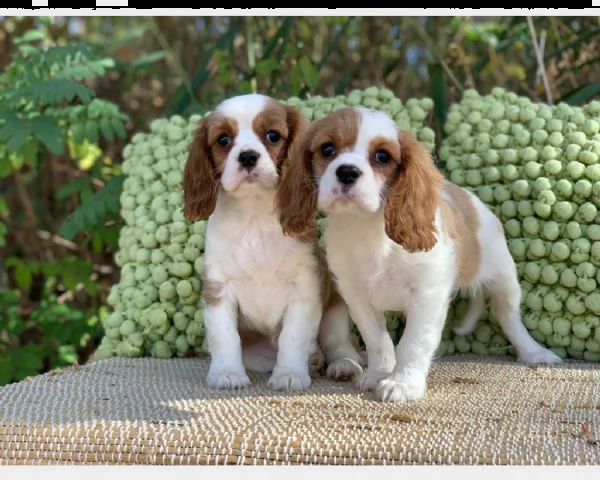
478	410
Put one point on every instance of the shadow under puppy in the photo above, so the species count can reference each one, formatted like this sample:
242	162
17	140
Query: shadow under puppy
400	237
267	297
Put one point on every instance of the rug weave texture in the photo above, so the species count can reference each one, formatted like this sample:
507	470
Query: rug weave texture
479	410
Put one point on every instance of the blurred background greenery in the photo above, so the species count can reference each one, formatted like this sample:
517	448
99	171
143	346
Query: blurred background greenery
73	90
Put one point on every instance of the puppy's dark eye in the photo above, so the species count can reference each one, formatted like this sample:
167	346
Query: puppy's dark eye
224	140
328	149
382	157
273	136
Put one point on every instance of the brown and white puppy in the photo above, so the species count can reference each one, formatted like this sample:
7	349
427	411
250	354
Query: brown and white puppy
257	281
399	237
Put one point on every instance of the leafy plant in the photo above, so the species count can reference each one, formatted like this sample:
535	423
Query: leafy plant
48	337
50	116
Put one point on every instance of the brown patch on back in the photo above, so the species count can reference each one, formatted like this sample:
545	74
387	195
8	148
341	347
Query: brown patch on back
461	222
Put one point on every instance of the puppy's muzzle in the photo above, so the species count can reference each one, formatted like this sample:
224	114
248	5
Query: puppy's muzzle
248	159
347	174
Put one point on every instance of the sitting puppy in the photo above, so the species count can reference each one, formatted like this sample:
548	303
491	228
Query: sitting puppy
258	282
399	237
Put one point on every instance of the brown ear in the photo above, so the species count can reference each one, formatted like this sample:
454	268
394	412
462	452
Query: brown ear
297	126
200	178
412	198
296	196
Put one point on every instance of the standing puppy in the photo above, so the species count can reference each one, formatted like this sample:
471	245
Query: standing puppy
258	282
399	237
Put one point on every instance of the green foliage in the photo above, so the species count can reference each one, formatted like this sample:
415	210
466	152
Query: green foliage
49	113
67	273
42	97
91	215
48	337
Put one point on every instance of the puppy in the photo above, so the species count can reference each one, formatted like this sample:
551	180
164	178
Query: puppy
399	237
259	283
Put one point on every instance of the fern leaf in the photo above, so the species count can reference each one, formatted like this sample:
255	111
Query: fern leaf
46	129
93	213
91	131
83	70
118	127
72	187
14	132
52	91
106	129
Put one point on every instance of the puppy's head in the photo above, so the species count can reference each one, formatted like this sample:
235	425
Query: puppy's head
239	148
357	161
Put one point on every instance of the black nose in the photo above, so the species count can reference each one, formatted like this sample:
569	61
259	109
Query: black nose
248	158
347	174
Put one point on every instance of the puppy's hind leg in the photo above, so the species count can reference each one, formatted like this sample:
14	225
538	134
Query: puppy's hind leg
505	302
472	315
343	360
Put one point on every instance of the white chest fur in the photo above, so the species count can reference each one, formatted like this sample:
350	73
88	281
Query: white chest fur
260	267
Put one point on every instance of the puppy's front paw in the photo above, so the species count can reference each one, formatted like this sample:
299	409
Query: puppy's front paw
228	379
369	379
343	369
286	379
401	389
540	356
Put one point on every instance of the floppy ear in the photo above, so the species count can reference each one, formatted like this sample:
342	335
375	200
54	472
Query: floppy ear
297	125
412	198
296	196
200	178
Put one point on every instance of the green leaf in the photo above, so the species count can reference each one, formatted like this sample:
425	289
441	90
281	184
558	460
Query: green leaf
30	36
27	360
4	211
93	213
106	130
148	59
12	261
97	242
51	91
14	132
118	127
267	66
72	187
23	276
310	74
51	269
29	152
91	131
46	130
78	132
582	95
6	368
5	166
3	231
67	355
182	96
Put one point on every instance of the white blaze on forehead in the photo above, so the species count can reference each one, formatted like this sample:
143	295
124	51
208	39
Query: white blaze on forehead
374	123
244	108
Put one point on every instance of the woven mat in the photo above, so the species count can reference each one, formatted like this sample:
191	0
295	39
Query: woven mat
478	411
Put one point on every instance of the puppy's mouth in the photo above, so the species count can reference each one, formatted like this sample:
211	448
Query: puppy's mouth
254	179
340	197
344	199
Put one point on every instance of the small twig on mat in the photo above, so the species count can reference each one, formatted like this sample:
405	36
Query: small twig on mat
540	59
